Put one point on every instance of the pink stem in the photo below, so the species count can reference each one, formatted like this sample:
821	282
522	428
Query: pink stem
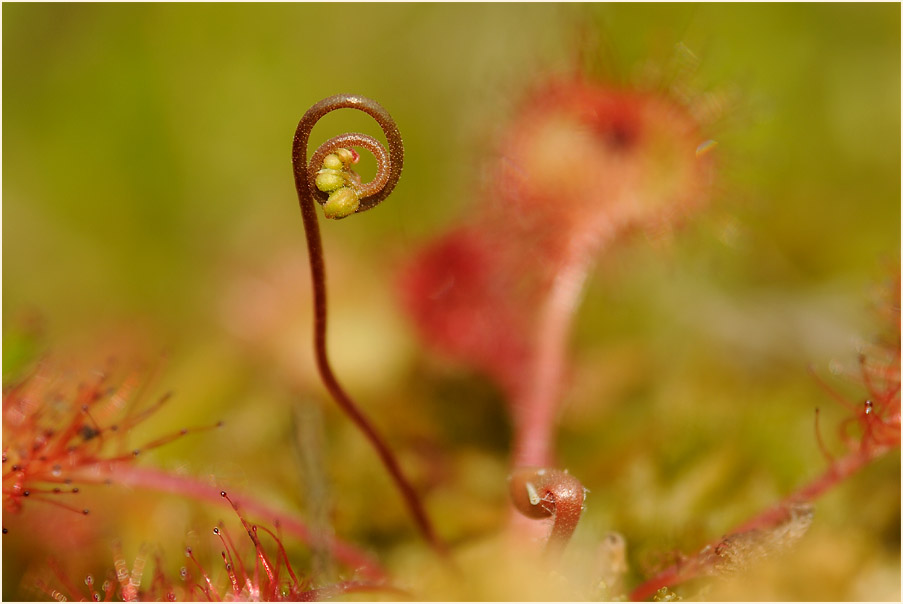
158	480
537	406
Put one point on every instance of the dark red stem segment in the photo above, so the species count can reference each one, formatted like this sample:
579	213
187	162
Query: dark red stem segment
307	195
543	493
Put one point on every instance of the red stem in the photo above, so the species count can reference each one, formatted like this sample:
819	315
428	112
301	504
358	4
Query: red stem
537	402
537	406
151	478
304	175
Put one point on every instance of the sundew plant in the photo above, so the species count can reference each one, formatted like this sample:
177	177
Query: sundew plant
465	302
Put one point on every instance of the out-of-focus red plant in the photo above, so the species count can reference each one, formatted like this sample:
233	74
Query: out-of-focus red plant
60	435
581	164
53	430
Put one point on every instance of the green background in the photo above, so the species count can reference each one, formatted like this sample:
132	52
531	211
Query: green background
147	193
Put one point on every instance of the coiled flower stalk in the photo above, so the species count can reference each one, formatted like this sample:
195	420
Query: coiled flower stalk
328	180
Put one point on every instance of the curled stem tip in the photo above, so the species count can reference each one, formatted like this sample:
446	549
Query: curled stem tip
328	179
388	161
548	493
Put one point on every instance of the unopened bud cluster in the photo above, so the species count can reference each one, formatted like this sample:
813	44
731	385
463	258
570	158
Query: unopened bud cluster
337	179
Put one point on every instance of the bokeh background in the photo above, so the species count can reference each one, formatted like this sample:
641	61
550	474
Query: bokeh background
148	207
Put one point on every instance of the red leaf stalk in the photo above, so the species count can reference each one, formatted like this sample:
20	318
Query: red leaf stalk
158	480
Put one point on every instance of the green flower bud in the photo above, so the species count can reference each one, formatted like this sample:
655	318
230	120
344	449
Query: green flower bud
333	161
329	180
341	203
347	156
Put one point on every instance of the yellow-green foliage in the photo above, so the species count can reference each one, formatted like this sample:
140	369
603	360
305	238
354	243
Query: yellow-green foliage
147	194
